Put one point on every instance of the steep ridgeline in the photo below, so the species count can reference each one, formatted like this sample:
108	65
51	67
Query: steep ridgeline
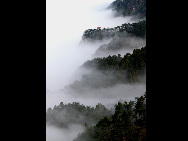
128	122
110	71
129	7
64	115
134	29
126	69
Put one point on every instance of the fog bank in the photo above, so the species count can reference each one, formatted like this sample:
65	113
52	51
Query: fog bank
59	134
65	23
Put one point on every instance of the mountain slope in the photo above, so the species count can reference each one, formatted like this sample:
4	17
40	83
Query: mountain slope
128	121
129	7
64	115
134	29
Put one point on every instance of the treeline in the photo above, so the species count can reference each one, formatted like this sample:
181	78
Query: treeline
129	7
126	68
65	114
110	71
128	121
134	29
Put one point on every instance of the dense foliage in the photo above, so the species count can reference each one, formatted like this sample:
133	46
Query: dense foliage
129	7
126	68
135	29
111	71
129	121
66	114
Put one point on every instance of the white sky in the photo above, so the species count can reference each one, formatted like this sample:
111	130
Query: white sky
63	16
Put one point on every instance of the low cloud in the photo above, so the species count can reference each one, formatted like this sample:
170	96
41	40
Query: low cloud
61	134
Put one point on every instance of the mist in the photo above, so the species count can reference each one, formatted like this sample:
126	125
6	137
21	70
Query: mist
65	53
56	134
65	24
107	95
127	45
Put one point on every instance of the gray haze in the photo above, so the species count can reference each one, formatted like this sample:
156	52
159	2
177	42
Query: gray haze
65	53
65	23
127	45
56	134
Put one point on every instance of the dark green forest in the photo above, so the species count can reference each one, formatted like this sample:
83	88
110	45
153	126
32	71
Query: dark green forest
128	121
130	64
101	124
126	69
129	7
135	29
74	113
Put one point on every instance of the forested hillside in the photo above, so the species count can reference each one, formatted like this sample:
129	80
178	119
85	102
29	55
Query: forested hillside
129	7
134	29
130	62
127	36
112	70
128	122
73	113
